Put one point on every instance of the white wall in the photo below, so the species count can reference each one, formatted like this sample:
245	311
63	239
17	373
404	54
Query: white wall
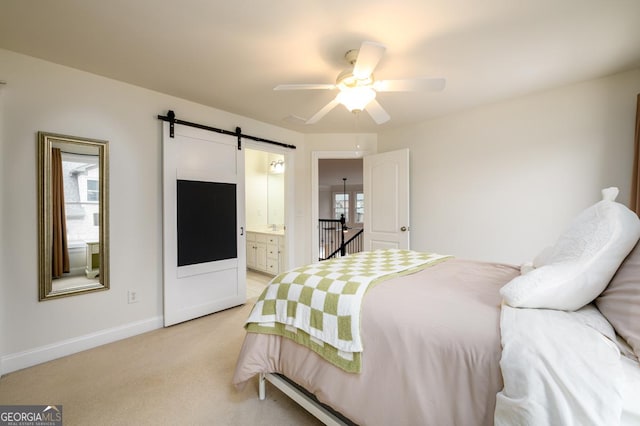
40	95
500	182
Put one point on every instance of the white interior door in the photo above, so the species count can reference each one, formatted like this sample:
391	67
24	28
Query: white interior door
203	221
386	200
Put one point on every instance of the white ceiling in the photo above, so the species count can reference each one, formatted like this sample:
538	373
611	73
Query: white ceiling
229	54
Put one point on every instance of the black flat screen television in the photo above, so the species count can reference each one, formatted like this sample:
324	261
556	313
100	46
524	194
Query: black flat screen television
207	222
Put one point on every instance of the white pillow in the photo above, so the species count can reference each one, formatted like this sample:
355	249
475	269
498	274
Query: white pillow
543	257
583	260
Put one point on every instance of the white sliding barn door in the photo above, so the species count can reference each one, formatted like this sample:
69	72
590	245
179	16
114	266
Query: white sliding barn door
203	222
386	200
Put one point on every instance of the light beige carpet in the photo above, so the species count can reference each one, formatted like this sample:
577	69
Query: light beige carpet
179	375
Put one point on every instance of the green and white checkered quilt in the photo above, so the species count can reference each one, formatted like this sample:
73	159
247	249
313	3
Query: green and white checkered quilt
319	305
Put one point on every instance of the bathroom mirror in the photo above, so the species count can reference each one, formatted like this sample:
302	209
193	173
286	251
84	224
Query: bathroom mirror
275	190
73	223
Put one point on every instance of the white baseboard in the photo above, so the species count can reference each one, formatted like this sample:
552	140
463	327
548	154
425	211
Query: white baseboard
31	357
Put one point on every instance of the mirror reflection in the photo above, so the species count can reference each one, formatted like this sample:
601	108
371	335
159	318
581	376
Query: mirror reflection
73	215
275	190
264	188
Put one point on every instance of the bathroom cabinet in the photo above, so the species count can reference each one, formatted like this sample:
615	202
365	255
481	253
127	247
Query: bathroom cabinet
92	269
265	252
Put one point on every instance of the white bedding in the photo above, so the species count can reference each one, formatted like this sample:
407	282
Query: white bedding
559	368
630	392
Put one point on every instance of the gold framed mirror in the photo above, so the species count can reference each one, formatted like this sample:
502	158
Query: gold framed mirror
73	218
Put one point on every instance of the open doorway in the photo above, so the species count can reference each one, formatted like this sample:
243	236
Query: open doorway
385	179
340	211
266	214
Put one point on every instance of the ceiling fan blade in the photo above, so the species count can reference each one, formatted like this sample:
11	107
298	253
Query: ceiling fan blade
412	85
310	86
318	115
376	112
368	57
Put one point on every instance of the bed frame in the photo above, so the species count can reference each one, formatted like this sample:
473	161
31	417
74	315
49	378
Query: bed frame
302	397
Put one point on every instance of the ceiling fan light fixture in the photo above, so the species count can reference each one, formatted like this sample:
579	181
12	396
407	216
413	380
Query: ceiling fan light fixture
358	87
356	98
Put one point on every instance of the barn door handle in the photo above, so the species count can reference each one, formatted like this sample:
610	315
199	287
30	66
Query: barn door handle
241	230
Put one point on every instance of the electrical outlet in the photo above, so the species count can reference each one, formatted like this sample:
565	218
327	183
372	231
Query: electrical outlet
132	296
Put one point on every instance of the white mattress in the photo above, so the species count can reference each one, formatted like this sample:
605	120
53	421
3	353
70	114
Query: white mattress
631	392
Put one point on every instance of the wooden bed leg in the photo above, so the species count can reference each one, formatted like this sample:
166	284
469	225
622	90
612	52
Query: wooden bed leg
262	391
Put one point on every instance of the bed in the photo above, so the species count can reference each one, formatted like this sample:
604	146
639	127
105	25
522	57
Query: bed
455	343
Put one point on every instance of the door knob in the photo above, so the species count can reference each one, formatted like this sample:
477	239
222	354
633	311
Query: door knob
403	229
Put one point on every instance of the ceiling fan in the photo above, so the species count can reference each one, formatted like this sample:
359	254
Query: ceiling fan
358	87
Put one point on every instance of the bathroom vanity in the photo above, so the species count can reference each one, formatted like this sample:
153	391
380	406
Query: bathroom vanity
266	251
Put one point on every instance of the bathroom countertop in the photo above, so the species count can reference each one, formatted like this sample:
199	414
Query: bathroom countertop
266	231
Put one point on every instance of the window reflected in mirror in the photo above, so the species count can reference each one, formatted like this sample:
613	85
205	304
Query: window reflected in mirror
73	201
